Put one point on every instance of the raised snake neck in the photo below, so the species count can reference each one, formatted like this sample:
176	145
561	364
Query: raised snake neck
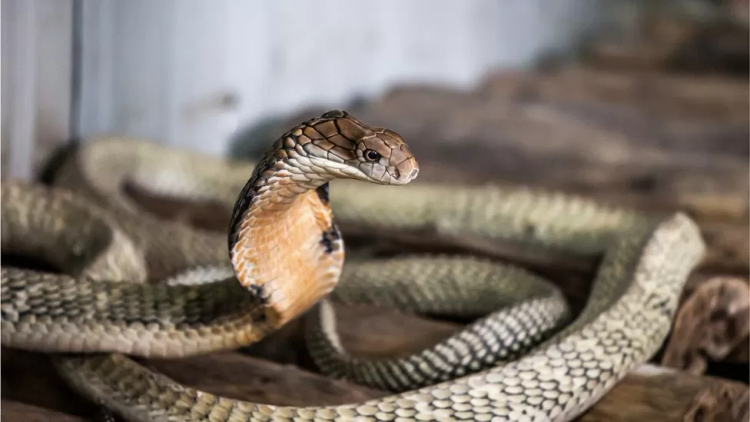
628	315
282	239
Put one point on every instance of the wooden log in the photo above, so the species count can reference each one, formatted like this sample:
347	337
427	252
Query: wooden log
651	393
673	39
13	411
239	376
713	321
740	353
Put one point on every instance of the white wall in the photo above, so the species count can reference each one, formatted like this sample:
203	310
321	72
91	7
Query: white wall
187	72
36	75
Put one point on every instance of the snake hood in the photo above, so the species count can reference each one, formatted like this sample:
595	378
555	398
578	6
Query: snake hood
284	207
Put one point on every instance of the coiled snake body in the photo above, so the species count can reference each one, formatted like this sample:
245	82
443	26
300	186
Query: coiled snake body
287	254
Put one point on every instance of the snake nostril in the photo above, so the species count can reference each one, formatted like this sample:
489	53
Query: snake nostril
413	173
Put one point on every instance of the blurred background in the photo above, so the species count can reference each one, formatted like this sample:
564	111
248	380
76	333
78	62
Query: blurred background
642	103
203	75
639	102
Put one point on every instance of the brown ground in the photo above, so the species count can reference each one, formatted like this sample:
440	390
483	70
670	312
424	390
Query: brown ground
649	140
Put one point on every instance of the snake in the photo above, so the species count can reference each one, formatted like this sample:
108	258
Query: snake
132	285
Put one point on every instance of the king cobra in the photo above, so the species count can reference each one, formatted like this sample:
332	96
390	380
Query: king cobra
137	285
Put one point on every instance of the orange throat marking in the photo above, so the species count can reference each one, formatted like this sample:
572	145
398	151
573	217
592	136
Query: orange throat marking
281	252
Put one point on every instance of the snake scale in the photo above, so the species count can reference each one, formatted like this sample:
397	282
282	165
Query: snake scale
137	285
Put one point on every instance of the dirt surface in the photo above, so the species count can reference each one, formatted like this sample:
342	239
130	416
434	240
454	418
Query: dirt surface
653	141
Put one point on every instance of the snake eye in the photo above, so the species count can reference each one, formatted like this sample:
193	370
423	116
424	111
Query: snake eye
372	155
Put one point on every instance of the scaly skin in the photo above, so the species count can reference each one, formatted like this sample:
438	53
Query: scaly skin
634	295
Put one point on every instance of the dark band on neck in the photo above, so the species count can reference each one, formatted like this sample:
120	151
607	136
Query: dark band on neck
322	192
330	238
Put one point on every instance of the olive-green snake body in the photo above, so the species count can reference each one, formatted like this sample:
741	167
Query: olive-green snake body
118	300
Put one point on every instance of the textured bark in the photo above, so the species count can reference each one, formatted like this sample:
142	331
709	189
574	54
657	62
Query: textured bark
712	322
652	394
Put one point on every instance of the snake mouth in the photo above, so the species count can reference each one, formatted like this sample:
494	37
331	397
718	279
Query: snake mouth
413	174
405	173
